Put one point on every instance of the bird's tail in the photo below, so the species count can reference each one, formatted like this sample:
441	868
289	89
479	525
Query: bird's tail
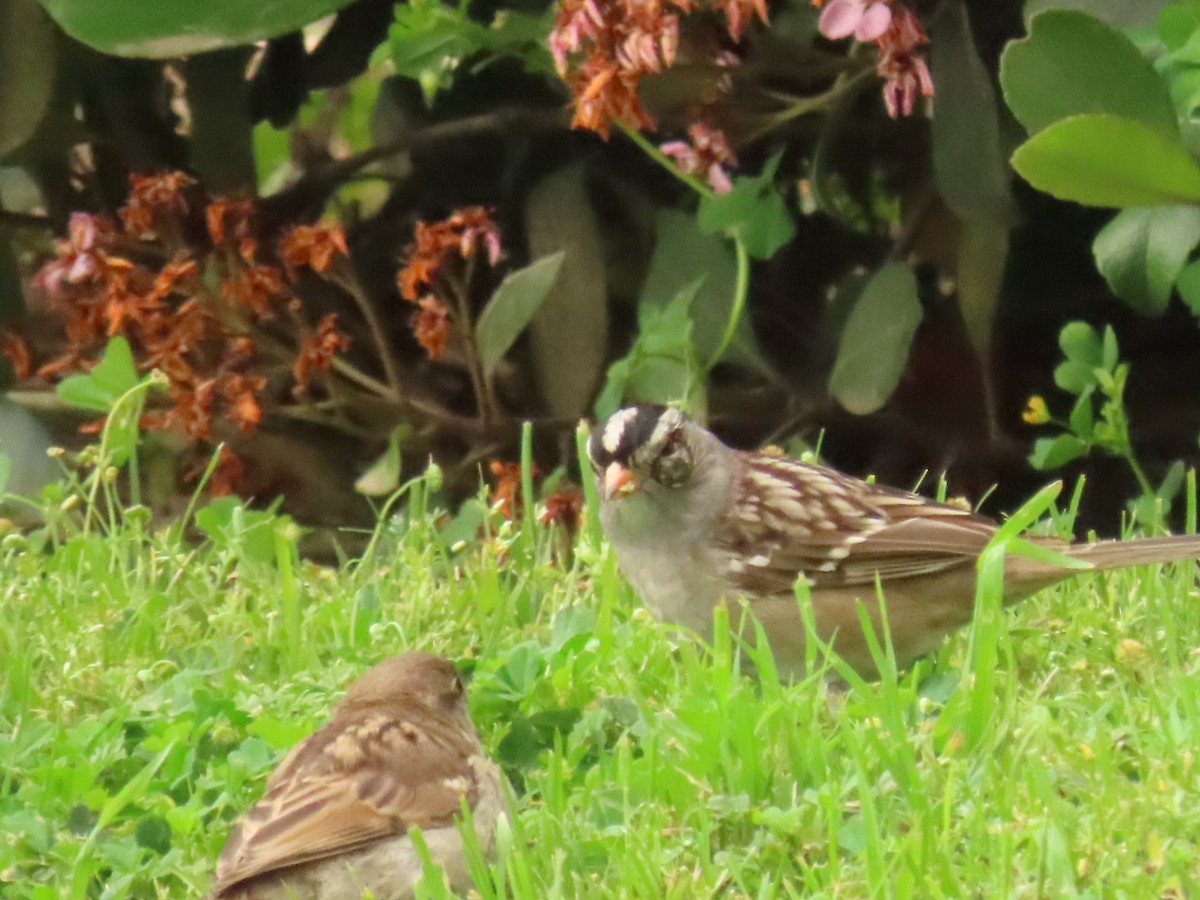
1138	552
1025	575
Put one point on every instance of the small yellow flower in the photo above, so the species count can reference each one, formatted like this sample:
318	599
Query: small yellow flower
1035	412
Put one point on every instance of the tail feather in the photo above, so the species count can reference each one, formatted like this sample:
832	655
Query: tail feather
1138	552
1027	575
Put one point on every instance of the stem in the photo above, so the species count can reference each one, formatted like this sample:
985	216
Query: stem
665	161
349	283
352	373
484	399
741	287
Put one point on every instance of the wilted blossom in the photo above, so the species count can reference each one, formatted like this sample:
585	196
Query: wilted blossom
706	153
461	233
897	33
602	49
903	69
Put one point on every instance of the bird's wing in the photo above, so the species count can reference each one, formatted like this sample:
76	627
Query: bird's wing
349	785
808	521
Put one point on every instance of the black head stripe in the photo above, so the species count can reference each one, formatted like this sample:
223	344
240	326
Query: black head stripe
620	436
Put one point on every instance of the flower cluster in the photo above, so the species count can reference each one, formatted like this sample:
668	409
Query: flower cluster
706	153
897	33
459	235
602	49
134	275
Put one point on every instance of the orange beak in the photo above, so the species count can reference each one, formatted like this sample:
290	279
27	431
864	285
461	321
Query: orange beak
618	481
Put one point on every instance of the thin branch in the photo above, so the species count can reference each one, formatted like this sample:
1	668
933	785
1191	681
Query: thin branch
348	282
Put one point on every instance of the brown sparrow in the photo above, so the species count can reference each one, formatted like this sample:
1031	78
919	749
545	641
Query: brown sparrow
694	522
399	752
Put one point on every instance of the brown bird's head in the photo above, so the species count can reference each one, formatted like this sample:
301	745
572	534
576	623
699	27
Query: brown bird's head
430	683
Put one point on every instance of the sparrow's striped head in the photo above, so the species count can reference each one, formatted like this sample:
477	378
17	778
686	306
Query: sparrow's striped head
639	443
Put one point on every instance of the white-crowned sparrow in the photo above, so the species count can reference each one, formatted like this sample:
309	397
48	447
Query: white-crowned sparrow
694	522
399	751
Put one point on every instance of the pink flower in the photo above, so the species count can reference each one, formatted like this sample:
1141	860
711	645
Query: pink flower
867	20
900	65
706	153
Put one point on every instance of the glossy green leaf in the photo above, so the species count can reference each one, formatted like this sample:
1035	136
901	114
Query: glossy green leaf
512	307
1072	63
1141	252
874	346
1103	160
168	28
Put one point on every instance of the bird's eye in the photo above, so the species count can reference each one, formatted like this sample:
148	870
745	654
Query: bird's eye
673	466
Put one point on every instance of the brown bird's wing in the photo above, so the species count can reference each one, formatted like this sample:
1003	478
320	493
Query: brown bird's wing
833	530
357	780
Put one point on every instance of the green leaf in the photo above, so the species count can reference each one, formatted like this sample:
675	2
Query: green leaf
1141	252
429	40
512	307
383	475
1083	418
1188	285
1177	22
1073	377
1110	355
159	29
1050	453
28	46
99	389
248	532
1080	343
681	249
662	366
1102	160
969	166
753	209
1072	63
874	345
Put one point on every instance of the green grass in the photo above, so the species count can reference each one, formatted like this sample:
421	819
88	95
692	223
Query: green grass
148	684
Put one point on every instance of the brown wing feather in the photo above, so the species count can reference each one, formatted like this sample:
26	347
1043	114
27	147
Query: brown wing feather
835	530
352	783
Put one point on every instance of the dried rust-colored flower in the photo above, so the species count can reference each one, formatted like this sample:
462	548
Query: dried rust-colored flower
506	492
316	246
317	351
229	221
461	233
13	346
239	392
431	326
256	288
602	49
563	508
229	474
154	199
